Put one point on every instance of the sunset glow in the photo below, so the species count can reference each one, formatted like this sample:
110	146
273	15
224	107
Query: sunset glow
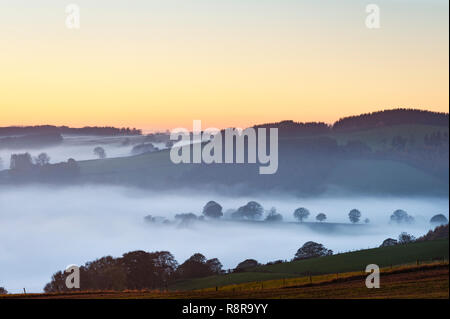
161	64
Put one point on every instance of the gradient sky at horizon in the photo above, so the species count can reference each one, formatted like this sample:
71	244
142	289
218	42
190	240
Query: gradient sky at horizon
161	64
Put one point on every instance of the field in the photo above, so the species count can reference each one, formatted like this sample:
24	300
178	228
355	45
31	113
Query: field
425	281
339	263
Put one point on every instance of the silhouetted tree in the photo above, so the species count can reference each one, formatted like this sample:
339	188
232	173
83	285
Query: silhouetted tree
321	217
400	216
312	249
212	210
21	162
252	210
439	219
3	291
246	264
100	152
389	242
197	266
273	216
42	159
214	265
354	215
405	238
301	213
367	220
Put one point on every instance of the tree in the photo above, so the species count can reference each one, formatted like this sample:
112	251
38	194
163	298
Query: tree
389	242
214	265
3	291
312	249
186	219
439	219
212	210
246	264
21	162
100	152
367	220
400	216
252	210
301	213
354	215
321	217
42	159
273	216
405	238
197	266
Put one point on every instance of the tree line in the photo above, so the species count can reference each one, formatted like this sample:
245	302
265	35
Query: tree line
87	130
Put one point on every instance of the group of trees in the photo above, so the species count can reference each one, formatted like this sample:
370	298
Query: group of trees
137	270
254	211
24	161
25	167
50	129
303	213
403	238
400	216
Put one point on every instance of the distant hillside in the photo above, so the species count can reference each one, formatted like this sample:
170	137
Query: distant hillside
313	159
30	141
391	117
49	129
375	120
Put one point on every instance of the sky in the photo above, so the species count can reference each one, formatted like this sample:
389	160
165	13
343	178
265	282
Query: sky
162	64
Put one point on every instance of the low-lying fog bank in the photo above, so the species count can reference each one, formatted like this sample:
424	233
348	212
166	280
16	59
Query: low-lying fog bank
44	229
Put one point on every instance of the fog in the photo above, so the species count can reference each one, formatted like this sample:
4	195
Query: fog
79	148
44	229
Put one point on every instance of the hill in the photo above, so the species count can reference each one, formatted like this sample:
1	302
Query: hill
407	155
339	263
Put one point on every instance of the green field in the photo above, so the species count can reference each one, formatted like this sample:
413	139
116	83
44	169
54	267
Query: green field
339	263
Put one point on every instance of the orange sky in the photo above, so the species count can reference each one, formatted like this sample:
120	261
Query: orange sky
157	66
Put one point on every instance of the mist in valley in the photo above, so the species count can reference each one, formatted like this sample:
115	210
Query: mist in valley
80	148
43	228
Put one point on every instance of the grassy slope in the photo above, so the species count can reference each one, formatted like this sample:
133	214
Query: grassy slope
370	175
389	176
354	261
